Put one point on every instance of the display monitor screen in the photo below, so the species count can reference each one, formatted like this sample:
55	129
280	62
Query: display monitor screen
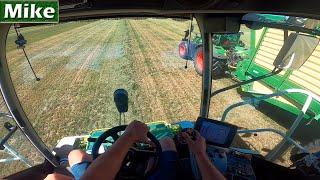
216	132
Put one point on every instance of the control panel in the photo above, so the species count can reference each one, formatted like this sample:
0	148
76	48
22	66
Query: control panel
217	156
232	164
239	166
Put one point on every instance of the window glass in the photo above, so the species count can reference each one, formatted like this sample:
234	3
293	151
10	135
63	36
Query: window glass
264	35
80	65
17	153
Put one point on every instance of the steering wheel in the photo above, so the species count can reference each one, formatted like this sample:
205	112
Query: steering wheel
136	162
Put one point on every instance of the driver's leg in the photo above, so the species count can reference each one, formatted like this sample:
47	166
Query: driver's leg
79	161
168	160
167	144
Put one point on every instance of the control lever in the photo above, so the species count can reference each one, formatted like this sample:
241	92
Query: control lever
121	100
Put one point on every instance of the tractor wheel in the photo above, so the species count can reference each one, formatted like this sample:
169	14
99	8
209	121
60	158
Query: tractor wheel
219	67
199	61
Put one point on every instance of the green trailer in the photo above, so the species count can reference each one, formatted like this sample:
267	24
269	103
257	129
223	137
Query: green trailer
251	53
260	62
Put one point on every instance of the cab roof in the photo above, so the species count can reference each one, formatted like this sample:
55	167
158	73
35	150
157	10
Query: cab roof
84	9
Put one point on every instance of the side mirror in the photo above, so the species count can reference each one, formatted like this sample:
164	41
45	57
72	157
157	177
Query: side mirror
295	51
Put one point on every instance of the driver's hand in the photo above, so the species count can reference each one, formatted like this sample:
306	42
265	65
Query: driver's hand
197	146
137	131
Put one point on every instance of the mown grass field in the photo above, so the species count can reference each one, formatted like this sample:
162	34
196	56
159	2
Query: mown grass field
82	63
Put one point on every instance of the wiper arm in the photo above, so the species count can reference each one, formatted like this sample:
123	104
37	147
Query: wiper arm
21	42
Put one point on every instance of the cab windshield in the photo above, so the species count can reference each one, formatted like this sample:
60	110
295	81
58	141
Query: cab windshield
65	76
80	65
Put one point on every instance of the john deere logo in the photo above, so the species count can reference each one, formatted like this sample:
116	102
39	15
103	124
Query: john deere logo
29	11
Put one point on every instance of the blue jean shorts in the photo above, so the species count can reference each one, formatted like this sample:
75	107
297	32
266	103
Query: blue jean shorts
78	169
167	169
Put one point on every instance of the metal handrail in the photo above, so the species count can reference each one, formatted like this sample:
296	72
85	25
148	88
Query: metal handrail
287	136
276	132
256	100
8	136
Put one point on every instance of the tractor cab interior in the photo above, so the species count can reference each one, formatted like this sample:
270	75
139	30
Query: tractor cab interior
219	23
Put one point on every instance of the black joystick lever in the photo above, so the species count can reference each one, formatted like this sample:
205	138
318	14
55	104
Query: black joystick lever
121	100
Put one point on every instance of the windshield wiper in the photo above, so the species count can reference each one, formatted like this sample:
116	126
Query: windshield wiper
21	42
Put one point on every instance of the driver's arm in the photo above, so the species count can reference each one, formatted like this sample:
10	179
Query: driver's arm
198	148
108	164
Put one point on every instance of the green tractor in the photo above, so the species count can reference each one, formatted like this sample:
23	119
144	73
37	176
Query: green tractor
228	50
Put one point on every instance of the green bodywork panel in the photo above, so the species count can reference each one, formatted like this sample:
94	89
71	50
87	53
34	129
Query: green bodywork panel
248	69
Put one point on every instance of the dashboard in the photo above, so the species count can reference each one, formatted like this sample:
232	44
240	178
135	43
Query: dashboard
219	136
233	163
